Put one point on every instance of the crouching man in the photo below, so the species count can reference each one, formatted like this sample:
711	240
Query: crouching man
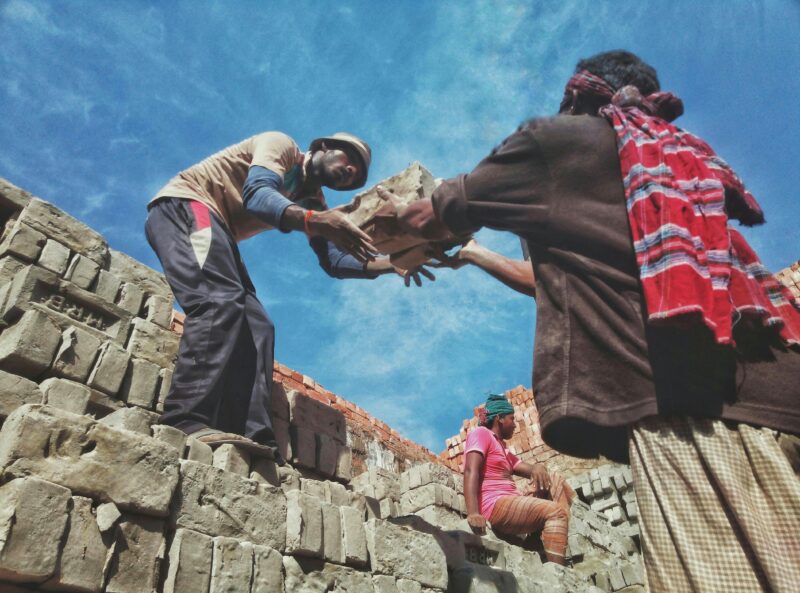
491	494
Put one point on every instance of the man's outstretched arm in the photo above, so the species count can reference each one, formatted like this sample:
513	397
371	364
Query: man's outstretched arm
339	264
263	200
514	273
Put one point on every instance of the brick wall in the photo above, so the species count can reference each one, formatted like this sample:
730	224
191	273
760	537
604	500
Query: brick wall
790	277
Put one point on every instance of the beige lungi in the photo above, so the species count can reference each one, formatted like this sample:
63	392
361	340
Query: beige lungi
719	507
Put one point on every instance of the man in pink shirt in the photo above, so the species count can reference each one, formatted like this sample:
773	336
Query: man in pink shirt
490	491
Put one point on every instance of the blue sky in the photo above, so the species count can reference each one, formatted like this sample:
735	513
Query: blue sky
102	102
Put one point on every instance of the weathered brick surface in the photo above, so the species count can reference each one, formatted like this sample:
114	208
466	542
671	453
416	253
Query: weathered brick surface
189	562
140	383
232	459
81	271
16	391
405	553
267	570
109	368
215	502
76	354
316	416
82	562
33	517
153	343
60	226
28	346
303	524
66	395
136	472
21	241
232	565
54	257
139	549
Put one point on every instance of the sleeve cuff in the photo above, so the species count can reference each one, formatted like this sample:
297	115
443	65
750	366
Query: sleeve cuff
476	449
450	205
280	211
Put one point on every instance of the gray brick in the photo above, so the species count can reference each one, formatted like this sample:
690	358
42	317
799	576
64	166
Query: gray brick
158	310
130	298
109	368
332	544
22	241
28	347
190	556
54	257
107	515
170	435
130	270
153	343
232	459
267	570
9	267
133	419
81	271
33	518
82	562
304	446
282	437
316	416
66	395
164	384
138	553
140	383
215	502
344	464
13	198
354	537
405	553
265	470
76	354
327	455
303	524
232	565
107	286
199	451
16	391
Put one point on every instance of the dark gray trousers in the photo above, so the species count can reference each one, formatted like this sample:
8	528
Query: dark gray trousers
223	375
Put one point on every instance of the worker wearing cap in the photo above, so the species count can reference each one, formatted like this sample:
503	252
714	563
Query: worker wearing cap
220	391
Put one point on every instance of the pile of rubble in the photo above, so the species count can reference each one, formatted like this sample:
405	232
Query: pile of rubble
95	496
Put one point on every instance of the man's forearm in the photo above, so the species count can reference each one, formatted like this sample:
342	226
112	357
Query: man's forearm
513	273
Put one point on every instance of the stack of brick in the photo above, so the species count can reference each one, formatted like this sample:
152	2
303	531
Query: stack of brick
790	277
608	489
526	442
434	493
90	324
602	553
105	506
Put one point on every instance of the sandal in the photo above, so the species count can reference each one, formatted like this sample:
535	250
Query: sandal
215	438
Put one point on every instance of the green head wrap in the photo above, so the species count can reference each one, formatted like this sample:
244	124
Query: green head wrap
496	405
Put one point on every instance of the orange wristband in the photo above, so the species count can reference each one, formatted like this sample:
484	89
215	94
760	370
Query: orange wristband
306	218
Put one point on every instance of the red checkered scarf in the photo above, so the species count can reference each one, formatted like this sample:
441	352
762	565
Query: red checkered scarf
680	195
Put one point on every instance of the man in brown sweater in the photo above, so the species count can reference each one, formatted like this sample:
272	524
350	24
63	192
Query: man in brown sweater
696	418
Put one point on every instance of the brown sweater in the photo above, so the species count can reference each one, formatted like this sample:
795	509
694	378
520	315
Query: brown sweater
597	366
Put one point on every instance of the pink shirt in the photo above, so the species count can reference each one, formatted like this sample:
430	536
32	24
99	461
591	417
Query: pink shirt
498	463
